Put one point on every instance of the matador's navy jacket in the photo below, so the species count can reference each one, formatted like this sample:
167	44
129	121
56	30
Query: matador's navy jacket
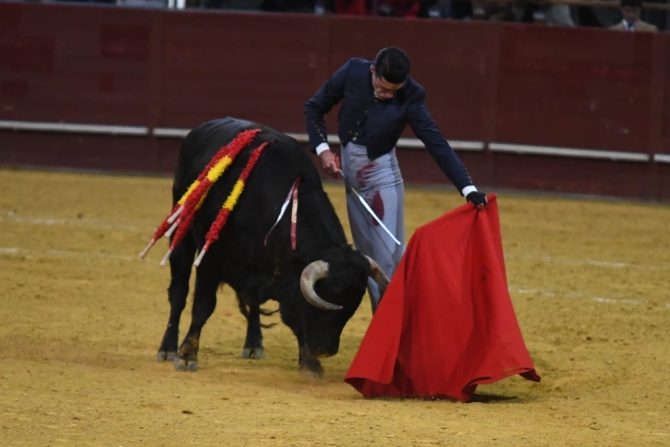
378	124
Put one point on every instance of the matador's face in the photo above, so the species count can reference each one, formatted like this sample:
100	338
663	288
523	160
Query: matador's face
384	90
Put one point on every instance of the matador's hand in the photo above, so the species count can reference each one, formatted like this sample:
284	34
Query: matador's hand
330	163
478	199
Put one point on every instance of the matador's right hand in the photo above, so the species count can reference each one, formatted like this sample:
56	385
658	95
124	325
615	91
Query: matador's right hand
330	163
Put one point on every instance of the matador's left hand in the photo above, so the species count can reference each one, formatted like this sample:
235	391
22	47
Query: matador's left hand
478	199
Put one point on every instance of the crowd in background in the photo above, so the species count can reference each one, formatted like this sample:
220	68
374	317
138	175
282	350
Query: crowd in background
570	13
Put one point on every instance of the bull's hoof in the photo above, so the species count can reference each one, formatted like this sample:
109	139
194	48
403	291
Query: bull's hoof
183	365
304	372
162	356
253	353
179	364
311	368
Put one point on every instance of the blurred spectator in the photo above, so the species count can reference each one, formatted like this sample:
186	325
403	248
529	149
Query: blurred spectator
351	7
460	9
558	15
294	6
385	8
524	11
657	17
495	11
143	3
436	9
631	10
399	8
503	10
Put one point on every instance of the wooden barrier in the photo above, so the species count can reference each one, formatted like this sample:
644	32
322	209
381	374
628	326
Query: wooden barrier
528	107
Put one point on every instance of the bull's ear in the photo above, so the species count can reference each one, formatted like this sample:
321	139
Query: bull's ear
378	275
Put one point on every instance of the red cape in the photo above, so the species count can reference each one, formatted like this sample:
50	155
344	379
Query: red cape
446	322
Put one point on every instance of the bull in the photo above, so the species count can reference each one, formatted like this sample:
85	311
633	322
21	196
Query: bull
318	284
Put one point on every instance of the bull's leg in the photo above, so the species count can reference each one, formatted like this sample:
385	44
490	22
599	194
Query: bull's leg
204	303
180	269
249	299
253	344
308	364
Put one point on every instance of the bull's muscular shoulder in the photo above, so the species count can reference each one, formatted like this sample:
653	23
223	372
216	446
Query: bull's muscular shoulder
220	131
203	141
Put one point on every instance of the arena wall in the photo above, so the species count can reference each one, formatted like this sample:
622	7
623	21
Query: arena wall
527	107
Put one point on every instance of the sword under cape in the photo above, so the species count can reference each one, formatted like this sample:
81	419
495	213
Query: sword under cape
367	207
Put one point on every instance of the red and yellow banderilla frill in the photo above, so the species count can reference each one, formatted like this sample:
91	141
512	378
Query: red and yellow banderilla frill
229	204
182	215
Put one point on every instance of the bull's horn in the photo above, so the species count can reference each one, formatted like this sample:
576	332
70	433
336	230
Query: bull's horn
310	275
378	275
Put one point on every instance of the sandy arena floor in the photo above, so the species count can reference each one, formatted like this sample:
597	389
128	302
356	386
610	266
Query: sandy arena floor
82	317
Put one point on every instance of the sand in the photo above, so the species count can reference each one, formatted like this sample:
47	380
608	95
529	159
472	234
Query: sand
82	318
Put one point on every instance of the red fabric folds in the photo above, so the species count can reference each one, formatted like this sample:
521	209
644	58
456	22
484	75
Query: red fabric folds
446	322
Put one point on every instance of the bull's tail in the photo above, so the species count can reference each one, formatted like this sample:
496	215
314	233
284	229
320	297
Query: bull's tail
267	313
253	295
245	310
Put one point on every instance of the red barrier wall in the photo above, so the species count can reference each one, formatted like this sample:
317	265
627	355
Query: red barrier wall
521	84
74	64
574	88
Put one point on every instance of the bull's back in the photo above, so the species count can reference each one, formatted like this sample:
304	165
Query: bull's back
204	141
199	146
282	161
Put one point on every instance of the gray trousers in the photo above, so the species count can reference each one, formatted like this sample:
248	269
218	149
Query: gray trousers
380	183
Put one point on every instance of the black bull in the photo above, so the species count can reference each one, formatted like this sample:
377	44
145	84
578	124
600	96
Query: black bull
319	285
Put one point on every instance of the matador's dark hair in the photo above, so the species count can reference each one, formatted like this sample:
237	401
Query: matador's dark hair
392	64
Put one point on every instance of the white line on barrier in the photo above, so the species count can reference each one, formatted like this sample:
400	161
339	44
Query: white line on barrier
415	143
569	152
76	128
169	132
304	138
65	222
404	143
